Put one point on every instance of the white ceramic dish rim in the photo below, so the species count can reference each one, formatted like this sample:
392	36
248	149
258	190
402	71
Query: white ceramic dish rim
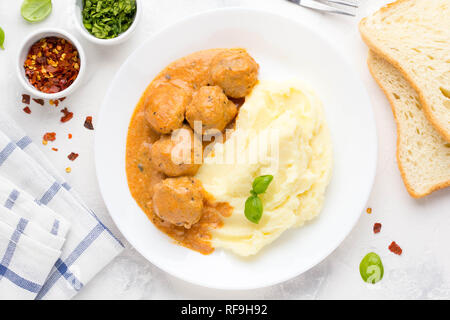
25	47
361	202
106	42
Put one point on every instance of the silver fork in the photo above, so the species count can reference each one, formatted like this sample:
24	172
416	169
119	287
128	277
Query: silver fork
345	7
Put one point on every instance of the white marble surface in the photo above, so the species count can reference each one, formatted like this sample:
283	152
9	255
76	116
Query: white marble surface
421	227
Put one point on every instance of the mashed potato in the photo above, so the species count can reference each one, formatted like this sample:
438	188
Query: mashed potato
281	130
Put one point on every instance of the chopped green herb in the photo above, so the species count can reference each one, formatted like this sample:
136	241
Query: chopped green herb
36	10
371	268
107	19
2	38
253	206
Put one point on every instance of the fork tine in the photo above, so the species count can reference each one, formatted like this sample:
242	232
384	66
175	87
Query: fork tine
316	5
344	3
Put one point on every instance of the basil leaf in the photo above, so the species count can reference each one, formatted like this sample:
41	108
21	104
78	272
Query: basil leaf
2	38
371	268
253	209
261	184
36	10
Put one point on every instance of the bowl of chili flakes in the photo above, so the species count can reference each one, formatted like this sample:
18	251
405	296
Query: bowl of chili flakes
51	63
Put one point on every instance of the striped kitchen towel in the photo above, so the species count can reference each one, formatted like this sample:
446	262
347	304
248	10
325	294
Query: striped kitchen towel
89	245
25	262
33	235
21	203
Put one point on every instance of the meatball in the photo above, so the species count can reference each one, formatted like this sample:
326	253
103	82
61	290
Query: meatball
166	103
212	107
174	155
235	71
179	201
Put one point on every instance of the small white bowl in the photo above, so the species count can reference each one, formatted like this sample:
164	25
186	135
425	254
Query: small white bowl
78	7
25	48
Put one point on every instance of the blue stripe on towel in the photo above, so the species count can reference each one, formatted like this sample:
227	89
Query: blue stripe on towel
12	199
106	228
50	193
4	264
13	241
68	275
76	253
66	186
9	253
18	280
24	142
6	152
55	227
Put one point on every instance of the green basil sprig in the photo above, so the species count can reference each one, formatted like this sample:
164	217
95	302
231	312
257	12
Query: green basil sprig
261	184
36	10
253	205
2	38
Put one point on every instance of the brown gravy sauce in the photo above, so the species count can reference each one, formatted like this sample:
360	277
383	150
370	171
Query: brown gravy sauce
142	176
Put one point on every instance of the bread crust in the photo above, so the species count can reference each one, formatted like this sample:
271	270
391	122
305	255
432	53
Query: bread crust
408	186
427	108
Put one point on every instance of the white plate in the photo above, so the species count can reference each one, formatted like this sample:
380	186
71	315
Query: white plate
283	48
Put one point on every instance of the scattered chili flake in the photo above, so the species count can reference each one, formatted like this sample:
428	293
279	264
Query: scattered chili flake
62	99
55	149
27	110
69	136
54	102
39	101
72	156
49	136
52	64
369	210
68	170
377	227
395	248
67	115
88	123
26	98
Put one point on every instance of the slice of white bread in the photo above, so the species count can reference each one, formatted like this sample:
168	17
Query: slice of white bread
423	156
414	36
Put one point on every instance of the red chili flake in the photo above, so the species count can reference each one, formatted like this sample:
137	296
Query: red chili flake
67	115
69	136
55	149
54	102
27	110
395	248
52	64
49	136
26	98
62	99
39	101
88	123
72	156
377	227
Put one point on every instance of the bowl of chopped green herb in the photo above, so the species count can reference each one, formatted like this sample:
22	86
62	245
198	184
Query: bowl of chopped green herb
107	22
